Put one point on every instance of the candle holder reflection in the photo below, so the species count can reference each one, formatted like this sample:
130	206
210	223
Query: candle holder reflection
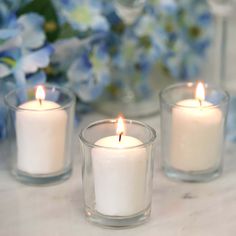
41	129
193	126
117	172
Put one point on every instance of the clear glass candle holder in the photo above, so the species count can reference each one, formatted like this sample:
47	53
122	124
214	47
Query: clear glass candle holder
41	134
117	175
193	132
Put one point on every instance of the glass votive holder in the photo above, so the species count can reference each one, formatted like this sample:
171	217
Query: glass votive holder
193	131
41	133
117	172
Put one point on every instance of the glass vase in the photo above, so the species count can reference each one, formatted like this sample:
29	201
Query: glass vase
225	14
183	41
132	94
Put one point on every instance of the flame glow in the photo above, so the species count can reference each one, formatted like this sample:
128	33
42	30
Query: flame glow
120	126
200	92
40	93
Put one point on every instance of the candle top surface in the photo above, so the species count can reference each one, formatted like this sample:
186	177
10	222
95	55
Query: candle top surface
193	109
193	103
113	142
35	105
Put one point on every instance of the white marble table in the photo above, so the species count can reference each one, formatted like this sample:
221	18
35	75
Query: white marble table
178	209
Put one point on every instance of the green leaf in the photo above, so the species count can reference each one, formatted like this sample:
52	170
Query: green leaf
47	10
66	31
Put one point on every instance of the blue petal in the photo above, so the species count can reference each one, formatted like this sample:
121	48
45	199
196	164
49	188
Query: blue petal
37	59
88	91
33	35
4	70
19	77
3	122
8	33
37	78
79	69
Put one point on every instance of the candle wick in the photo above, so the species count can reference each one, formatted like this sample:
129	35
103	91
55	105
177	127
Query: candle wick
120	136
40	102
200	101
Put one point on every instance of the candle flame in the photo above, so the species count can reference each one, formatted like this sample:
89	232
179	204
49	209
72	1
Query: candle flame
200	92
40	93
120	127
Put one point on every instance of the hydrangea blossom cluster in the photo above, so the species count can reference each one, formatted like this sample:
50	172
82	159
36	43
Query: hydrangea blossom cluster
22	52
87	41
172	34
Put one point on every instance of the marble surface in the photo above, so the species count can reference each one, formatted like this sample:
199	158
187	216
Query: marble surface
178	209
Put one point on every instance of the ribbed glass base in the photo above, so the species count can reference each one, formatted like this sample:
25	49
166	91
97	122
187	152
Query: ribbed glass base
42	179
118	222
193	176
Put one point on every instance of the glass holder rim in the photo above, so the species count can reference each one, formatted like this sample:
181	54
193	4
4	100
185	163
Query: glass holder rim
225	99
67	91
143	145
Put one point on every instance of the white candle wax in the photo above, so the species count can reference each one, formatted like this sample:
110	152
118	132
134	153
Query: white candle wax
119	176
197	132
40	132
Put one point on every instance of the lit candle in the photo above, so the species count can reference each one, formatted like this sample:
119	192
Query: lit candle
197	133
40	132
119	168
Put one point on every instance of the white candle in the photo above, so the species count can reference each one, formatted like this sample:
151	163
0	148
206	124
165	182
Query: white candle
119	175
197	133
40	132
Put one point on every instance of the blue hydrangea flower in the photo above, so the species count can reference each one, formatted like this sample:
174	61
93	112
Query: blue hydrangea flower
23	53
83	15
138	49
35	60
184	32
169	6
148	34
89	73
8	9
130	37
65	51
170	33
27	36
32	33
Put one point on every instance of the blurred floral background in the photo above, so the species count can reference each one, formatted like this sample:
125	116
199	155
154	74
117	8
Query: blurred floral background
81	43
